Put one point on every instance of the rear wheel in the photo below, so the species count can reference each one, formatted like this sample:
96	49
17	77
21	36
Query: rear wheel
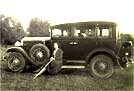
39	54
16	62
101	66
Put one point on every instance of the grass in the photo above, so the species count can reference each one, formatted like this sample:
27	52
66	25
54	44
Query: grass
67	79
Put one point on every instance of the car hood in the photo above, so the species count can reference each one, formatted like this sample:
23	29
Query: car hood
36	38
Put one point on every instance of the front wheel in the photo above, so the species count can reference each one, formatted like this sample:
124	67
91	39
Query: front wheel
101	66
16	62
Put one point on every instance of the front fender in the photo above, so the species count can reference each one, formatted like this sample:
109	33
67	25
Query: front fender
19	49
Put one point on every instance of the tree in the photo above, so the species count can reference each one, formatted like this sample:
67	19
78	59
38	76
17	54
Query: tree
10	30
38	28
19	31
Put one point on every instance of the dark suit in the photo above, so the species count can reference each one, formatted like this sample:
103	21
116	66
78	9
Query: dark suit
55	65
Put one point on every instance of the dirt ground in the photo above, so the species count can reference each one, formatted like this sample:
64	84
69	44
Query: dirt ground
67	79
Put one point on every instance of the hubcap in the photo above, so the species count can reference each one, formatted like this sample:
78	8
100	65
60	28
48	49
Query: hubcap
102	66
39	54
16	62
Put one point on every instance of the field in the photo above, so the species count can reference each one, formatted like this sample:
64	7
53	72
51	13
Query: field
67	79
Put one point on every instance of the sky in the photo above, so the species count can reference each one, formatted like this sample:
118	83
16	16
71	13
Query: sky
64	11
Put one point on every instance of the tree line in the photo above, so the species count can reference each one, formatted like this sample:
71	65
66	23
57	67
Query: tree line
11	30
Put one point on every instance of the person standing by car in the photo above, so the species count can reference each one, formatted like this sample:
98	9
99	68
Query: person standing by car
55	63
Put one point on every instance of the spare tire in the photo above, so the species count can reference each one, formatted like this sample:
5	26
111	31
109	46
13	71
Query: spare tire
39	54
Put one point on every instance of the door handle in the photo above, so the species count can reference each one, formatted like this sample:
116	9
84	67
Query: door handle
71	43
75	43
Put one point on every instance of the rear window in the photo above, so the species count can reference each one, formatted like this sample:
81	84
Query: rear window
104	31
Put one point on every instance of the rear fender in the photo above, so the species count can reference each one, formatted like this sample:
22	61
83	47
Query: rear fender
103	51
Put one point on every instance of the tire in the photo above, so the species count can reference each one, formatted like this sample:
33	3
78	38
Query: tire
39	54
16	62
101	66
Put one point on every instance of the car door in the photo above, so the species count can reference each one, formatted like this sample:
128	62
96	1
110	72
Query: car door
64	37
84	41
105	38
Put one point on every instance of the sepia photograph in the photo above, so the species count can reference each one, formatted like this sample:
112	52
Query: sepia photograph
66	45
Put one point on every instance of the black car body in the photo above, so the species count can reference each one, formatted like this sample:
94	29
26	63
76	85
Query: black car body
83	43
81	47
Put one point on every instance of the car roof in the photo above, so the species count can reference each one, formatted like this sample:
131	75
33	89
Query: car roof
94	23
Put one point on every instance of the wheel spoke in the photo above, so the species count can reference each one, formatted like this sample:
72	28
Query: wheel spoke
101	66
39	59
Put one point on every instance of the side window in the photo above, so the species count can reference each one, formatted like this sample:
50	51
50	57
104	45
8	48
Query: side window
56	33
65	33
60	33
91	32
103	32
84	33
76	33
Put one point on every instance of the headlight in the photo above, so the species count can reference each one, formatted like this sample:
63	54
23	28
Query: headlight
17	43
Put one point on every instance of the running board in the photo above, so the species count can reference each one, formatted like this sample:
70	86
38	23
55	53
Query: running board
74	62
72	66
